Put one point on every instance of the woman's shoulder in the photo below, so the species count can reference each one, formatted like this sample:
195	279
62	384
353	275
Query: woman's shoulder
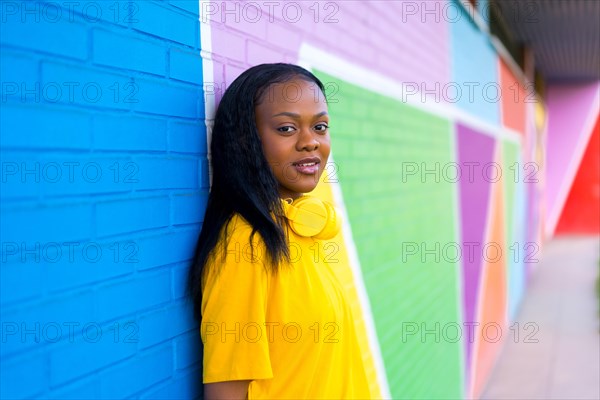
234	252
238	227
236	235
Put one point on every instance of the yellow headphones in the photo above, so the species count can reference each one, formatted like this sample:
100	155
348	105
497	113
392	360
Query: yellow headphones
312	217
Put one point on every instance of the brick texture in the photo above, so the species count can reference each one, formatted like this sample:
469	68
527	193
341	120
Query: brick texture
104	185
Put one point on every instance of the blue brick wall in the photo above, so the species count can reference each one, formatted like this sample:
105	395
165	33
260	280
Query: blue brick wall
104	186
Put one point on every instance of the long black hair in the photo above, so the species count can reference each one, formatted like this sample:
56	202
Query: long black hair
242	180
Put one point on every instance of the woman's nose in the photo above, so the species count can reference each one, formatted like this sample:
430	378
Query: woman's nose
307	141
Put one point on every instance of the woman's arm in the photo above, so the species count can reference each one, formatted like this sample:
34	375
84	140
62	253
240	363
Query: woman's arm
229	390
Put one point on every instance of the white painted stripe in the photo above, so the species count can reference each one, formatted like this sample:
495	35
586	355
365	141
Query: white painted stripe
361	290
571	171
208	71
501	110
510	62
403	92
458	267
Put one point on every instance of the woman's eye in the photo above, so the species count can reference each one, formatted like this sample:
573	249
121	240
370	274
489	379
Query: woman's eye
322	127
284	129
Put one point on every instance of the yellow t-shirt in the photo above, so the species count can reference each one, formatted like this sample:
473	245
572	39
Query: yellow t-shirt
291	333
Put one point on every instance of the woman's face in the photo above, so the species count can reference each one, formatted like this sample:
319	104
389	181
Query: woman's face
292	123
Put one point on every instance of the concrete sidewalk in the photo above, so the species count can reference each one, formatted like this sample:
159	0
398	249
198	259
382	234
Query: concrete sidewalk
561	300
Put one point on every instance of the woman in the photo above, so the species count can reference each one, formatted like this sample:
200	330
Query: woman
274	319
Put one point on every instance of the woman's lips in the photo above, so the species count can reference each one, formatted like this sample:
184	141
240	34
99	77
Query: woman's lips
310	168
